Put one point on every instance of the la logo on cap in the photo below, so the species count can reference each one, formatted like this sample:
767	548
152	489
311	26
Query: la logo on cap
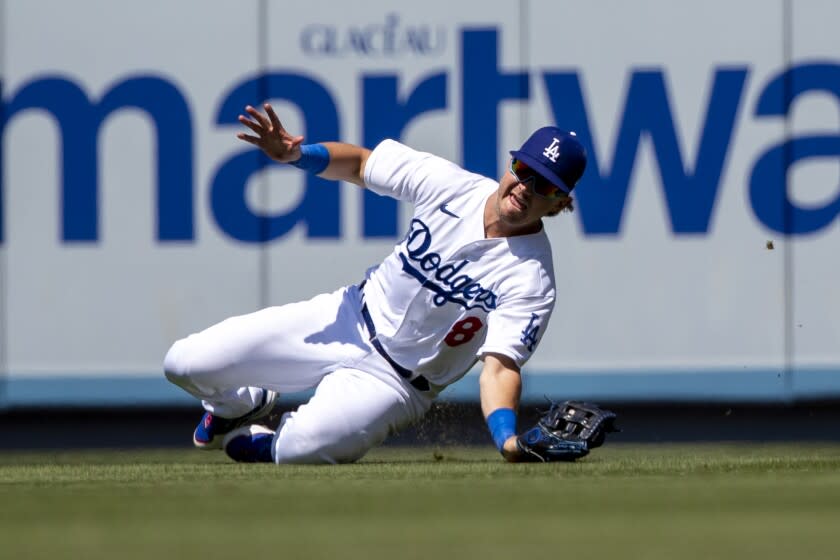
552	151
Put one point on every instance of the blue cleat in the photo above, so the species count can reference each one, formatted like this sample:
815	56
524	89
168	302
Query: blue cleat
250	444
212	429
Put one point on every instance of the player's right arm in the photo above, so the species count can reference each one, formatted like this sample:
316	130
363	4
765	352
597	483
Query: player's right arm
347	163
341	162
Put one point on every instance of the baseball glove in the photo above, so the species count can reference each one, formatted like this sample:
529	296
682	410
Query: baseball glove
565	432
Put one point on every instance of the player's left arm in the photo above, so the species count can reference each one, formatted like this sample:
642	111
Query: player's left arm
500	387
567	431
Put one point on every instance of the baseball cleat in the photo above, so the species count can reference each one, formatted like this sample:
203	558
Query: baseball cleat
211	430
250	444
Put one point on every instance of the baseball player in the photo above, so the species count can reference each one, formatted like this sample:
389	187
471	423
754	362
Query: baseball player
471	280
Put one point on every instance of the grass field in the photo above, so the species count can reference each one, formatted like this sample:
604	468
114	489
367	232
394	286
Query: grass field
652	502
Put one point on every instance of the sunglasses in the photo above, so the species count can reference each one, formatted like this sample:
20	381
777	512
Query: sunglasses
538	184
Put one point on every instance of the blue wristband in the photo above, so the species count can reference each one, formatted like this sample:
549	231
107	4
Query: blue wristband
314	158
502	424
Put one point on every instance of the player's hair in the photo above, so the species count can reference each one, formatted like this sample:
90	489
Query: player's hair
570	207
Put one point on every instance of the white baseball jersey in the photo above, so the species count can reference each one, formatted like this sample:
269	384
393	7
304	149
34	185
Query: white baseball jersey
447	294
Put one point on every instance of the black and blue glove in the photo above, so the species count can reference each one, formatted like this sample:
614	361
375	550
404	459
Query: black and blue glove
565	432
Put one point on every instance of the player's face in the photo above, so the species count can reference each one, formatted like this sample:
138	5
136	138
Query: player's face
538	184
519	205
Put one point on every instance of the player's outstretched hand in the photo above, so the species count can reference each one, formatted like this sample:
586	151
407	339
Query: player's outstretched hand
270	137
566	432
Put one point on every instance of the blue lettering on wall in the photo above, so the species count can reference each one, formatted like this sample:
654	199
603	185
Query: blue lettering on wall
690	191
79	120
391	38
2	172
484	87
386	116
321	204
690	196
769	192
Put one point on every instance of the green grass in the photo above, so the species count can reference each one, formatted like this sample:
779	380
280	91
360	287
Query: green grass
651	502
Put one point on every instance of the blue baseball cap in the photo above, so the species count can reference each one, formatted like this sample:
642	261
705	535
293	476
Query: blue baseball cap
555	154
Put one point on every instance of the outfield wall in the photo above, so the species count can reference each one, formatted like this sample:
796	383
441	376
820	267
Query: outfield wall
130	215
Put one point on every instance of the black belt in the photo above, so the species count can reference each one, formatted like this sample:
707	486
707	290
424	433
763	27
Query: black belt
419	382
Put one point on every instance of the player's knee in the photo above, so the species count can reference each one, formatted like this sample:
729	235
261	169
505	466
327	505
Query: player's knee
175	364
298	445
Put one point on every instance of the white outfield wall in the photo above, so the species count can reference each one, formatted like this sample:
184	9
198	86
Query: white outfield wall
130	215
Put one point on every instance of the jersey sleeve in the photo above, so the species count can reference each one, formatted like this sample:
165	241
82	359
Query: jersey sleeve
395	170
515	329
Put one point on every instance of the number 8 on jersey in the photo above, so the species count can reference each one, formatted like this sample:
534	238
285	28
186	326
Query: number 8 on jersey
463	331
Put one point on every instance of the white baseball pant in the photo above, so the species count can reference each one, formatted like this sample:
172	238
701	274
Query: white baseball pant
359	399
